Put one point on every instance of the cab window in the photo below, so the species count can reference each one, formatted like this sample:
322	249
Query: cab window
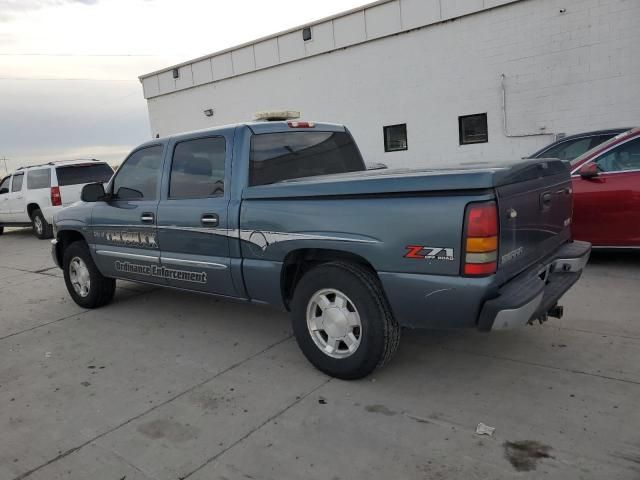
623	158
4	186
197	168
139	176
285	156
16	184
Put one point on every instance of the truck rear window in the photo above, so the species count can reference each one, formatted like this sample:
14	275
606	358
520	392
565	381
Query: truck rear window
284	156
79	174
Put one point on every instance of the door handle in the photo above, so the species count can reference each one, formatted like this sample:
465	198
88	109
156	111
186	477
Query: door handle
209	220
147	217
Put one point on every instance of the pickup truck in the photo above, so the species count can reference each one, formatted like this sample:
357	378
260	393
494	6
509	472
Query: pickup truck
285	213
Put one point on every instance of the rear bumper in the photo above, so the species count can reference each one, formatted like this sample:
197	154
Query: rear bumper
534	293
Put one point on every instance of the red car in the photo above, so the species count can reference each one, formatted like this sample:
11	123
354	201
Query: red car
606	193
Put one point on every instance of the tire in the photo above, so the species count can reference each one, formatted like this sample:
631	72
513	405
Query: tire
41	228
100	289
377	338
1	230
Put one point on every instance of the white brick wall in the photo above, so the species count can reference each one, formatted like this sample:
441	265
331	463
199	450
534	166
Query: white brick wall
565	72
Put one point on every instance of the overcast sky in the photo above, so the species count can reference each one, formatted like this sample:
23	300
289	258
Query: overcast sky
69	68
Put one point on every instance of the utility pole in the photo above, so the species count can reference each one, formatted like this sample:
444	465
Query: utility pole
5	165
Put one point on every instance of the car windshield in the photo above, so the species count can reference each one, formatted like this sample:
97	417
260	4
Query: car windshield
602	146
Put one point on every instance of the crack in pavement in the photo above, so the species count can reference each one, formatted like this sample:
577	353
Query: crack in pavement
137	294
155	407
541	365
257	428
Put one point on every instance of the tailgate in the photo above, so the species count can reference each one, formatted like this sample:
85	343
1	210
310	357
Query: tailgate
72	178
70	194
535	216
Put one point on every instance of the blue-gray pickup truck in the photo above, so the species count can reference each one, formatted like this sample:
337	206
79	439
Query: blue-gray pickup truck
285	213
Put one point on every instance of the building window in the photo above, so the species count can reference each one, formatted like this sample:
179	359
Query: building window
176	73
306	34
395	138
473	129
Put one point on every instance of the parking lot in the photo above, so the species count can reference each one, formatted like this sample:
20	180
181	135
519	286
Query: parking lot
168	385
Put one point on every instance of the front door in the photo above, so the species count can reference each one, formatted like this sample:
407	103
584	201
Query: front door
124	228
5	188
607	207
192	217
16	199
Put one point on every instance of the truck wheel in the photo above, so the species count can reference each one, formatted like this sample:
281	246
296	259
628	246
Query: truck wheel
86	285
41	228
1	230
342	321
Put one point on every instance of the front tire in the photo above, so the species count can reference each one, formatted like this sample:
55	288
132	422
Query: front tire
86	285
41	227
342	321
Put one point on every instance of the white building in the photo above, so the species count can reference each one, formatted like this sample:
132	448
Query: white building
535	68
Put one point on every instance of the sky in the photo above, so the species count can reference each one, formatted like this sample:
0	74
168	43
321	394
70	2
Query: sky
69	69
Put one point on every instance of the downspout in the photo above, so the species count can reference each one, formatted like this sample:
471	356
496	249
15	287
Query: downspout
505	125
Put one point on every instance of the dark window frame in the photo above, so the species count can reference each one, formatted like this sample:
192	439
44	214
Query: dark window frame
158	193
387	147
461	135
224	185
13	181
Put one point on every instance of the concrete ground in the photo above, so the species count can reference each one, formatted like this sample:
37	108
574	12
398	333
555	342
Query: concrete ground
167	385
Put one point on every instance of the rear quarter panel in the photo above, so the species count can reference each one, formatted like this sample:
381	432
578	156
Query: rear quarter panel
377	228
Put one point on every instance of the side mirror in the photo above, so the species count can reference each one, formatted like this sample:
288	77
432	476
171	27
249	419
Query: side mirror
93	192
3	191
590	170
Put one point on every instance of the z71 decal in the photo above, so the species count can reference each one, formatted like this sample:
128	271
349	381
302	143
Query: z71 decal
420	252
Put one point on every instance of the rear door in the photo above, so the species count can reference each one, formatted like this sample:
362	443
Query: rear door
535	215
124	228
71	179
192	216
607	207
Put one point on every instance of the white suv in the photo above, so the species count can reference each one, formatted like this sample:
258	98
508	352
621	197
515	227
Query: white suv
32	201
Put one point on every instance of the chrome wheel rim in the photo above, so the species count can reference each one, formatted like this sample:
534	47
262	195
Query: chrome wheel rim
38	223
79	276
334	323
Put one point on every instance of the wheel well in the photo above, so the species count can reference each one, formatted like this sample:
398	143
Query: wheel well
298	262
66	238
31	208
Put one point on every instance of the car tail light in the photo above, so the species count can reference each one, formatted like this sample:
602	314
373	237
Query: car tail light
296	124
56	198
481	239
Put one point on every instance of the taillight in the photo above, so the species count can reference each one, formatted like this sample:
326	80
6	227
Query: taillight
56	198
296	124
481	239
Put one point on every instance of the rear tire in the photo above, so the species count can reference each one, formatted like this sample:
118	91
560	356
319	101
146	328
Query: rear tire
86	285
41	228
342	320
